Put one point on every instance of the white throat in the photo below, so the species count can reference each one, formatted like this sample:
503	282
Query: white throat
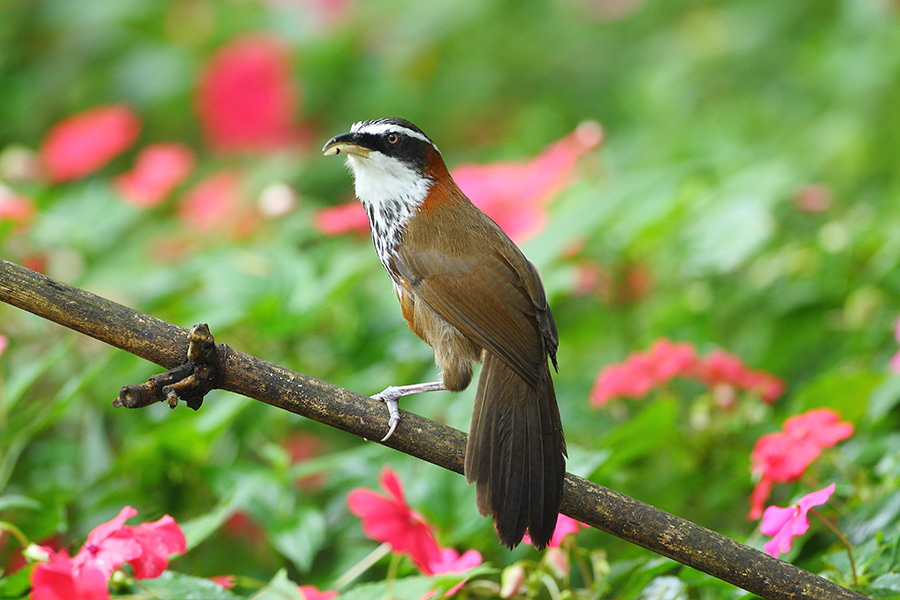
390	191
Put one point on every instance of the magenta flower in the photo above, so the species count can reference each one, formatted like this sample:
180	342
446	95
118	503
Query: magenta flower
390	519
83	143
246	100
157	170
785	455
564	526
786	523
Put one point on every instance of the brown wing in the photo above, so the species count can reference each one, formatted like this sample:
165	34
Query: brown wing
466	269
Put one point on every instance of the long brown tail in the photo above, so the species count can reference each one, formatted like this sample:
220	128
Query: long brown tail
516	453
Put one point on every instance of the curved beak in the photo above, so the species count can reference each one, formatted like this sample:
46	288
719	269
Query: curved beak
346	143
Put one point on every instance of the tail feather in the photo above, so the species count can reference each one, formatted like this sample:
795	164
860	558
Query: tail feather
516	453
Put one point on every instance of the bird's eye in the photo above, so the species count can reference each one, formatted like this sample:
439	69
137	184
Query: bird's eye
393	138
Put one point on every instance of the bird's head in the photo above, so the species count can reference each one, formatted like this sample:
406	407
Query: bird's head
391	159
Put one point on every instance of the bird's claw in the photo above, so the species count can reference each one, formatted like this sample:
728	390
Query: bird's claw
390	397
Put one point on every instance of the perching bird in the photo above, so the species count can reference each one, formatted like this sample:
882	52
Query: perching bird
468	291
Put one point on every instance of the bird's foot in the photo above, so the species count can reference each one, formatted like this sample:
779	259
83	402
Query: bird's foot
393	393
390	397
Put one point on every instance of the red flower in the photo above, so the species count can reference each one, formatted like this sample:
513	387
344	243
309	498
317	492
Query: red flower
343	218
246	100
83	143
62	579
157	170
564	526
390	519
784	456
515	194
310	592
786	523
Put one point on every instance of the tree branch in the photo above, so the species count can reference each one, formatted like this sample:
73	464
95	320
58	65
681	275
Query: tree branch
166	345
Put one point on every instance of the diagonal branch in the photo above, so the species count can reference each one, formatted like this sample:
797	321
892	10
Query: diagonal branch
166	345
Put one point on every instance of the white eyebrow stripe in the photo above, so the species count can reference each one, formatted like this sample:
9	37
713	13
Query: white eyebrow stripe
379	128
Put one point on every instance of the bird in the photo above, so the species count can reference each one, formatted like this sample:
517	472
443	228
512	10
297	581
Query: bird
467	290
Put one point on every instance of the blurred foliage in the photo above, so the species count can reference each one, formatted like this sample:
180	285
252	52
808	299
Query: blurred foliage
746	197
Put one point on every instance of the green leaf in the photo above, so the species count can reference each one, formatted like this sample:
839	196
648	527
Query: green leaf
648	432
15	585
177	586
884	399
199	528
846	392
406	588
11	501
300	538
280	588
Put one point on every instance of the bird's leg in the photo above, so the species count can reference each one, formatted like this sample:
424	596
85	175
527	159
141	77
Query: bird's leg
393	393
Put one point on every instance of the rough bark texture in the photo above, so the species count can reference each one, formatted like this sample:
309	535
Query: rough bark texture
166	345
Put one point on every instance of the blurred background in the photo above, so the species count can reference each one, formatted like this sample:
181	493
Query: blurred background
722	173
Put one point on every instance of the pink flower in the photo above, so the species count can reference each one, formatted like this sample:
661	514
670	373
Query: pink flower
515	194
325	12
785	455
62	579
157	540
823	426
310	592
146	547
83	143
157	170
246	100
342	218
722	368
894	363
15	208
642	372
786	523
224	581
218	203
390	519
4	342
564	526
451	562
